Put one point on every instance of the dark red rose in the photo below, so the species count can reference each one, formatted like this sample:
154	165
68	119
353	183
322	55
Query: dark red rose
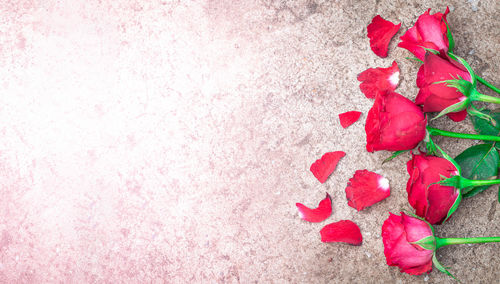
429	31
435	97
431	201
394	123
399	234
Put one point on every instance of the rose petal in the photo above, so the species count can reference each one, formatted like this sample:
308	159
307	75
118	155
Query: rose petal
325	166
366	188
348	118
318	214
457	116
342	231
380	33
379	80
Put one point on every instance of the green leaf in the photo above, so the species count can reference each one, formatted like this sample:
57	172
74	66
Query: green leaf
484	125
478	162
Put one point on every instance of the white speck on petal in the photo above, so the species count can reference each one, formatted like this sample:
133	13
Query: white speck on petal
394	79
383	183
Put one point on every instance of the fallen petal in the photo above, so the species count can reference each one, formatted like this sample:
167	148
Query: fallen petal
379	80
316	215
380	33
342	231
366	188
348	118
325	166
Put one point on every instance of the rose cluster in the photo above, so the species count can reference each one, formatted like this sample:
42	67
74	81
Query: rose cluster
437	183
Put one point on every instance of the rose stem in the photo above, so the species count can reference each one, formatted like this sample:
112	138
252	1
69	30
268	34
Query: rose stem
470	182
484	82
435	131
485	98
457	241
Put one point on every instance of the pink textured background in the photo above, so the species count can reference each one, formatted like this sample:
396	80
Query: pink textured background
168	141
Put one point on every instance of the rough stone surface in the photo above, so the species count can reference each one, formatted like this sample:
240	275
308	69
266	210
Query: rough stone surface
168	141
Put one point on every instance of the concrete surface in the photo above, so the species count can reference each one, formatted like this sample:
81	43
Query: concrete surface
168	141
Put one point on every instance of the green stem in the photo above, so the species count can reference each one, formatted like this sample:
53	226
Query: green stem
435	131
487	84
470	182
485	98
458	241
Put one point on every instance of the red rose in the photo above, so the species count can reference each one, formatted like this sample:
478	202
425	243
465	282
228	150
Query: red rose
394	123
431	201
399	234
429	31
435	97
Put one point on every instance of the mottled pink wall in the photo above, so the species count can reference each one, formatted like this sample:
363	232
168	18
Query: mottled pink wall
168	141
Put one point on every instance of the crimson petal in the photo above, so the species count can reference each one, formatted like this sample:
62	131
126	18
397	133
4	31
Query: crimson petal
316	215
348	118
366	188
457	116
325	166
379	80
342	231
380	33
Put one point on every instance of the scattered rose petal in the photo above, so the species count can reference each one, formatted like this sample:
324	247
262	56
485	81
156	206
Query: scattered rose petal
348	118
380	33
379	80
319	214
342	231
325	166
366	188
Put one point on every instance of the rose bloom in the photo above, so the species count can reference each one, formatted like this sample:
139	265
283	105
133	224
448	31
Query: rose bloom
398	233
432	202
394	123
436	97
429	31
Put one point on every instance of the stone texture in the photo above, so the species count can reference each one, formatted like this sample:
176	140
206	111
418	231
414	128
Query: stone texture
168	141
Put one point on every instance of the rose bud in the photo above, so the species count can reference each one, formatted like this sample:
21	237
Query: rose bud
394	123
444	84
432	201
430	31
409	243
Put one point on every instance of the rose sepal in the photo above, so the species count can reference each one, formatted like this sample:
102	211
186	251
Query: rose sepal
466	65
451	41
440	267
428	243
